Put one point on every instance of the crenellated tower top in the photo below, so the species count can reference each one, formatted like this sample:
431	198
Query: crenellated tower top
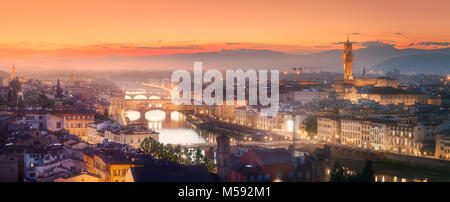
347	58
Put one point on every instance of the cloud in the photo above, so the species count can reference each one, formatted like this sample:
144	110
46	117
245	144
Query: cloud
356	33
323	46
232	43
432	43
342	42
370	43
378	43
166	47
339	43
399	33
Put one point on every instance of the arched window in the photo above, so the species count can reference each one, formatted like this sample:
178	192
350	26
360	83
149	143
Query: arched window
252	178
267	177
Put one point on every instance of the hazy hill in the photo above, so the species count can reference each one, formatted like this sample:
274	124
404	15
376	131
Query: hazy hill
417	63
244	58
379	57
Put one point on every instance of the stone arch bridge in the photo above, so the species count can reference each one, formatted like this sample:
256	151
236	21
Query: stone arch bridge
142	103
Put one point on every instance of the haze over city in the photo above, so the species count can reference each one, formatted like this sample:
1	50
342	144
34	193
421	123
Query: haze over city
244	92
84	35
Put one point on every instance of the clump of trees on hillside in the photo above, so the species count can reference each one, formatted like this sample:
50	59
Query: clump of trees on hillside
176	154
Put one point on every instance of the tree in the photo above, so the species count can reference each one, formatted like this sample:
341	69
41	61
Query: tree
2	101
104	116
186	157
429	147
105	113
198	156
342	174
20	102
311	126
13	90
338	173
37	100
59	90
45	102
323	153
69	102
367	174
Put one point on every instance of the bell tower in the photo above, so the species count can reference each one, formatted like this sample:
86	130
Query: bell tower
347	58
13	72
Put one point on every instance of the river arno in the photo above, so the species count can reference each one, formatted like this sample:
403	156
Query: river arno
176	130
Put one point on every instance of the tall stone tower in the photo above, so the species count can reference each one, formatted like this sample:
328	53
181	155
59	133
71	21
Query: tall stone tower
13	72
347	58
223	157
364	73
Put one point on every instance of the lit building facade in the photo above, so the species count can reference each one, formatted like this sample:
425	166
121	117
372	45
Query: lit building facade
329	129
404	139
109	166
351	133
443	145
133	138
76	121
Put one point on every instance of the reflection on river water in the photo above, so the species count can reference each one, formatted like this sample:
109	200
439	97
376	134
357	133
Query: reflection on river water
388	178
174	129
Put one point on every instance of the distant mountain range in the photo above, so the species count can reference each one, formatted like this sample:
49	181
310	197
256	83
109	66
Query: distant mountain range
374	57
425	63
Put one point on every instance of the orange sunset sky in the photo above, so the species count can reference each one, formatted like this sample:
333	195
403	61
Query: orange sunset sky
93	28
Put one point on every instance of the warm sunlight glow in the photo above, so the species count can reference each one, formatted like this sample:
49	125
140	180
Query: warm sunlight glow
155	115
133	115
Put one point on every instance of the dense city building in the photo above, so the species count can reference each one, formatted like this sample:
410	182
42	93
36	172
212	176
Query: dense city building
80	129
443	145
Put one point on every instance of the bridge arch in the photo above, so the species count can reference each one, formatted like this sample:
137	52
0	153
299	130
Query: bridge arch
133	115
175	116
154	97
140	97
155	115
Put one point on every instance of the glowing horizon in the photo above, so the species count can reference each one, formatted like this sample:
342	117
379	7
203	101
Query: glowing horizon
83	28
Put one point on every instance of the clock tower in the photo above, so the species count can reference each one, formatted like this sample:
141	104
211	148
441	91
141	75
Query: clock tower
347	58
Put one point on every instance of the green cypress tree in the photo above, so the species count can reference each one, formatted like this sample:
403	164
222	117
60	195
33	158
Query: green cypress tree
367	174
